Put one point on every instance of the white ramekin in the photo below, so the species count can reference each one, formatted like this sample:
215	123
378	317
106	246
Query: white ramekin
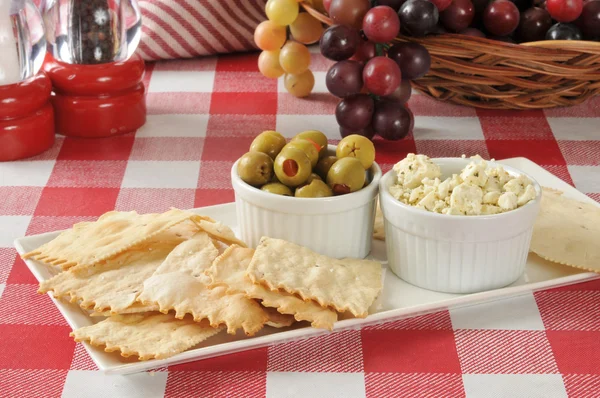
339	226
456	254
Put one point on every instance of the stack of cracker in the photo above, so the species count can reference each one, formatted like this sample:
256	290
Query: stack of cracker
166	282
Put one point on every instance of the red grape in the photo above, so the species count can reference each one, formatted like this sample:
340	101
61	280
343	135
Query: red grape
381	76
472	32
563	31
366	132
501	17
395	4
459	15
364	52
349	12
441	4
326	5
412	58
392	121
339	42
344	78
564	10
402	93
589	21
381	24
418	17
355	112
534	24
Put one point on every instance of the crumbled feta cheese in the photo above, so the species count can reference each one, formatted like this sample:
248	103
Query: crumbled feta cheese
490	209
526	196
467	198
476	190
491	197
414	168
475	174
508	201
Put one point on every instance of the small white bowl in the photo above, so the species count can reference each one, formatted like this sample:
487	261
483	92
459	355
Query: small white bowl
338	226
456	254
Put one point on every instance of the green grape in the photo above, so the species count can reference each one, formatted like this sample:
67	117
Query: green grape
299	85
268	64
282	12
306	29
294	58
269	36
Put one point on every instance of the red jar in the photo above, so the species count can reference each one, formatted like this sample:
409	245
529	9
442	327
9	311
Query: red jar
97	100
26	118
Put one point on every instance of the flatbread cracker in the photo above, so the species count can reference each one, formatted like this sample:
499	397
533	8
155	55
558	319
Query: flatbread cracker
277	320
148	336
114	288
379	227
229	270
180	284
114	284
89	243
345	285
219	231
135	308
567	231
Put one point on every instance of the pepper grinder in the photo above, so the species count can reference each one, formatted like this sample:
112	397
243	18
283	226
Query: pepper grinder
26	116
96	75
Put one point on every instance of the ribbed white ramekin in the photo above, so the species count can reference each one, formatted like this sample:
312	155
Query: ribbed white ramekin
456	254
339	226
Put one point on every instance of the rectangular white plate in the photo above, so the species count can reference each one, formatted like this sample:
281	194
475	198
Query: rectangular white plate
399	299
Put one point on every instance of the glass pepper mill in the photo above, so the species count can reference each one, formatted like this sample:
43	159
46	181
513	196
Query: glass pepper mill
26	115
91	60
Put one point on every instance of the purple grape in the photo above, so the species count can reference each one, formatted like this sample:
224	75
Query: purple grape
563	31
392	121
534	24
589	21
458	16
339	42
355	112
366	132
402	93
418	17
412	58
472	32
344	78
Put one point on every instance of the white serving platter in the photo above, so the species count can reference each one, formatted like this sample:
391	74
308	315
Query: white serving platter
399	299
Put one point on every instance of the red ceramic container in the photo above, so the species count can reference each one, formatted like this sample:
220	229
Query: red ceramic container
26	118
97	100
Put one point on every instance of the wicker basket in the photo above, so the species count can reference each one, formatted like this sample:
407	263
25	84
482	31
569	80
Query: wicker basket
490	74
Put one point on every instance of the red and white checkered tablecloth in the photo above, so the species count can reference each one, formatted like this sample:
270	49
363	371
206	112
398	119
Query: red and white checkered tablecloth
203	114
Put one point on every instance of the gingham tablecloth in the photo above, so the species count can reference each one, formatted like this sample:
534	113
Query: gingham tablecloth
202	115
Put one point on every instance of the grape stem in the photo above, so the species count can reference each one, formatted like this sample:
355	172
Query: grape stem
379	49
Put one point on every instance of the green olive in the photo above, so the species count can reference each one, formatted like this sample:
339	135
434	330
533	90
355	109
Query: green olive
359	147
324	165
292	166
317	137
346	175
269	142
316	189
277	188
313	176
308	147
255	168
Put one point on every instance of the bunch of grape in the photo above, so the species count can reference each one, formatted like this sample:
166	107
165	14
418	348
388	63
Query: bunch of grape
282	56
371	76
519	21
